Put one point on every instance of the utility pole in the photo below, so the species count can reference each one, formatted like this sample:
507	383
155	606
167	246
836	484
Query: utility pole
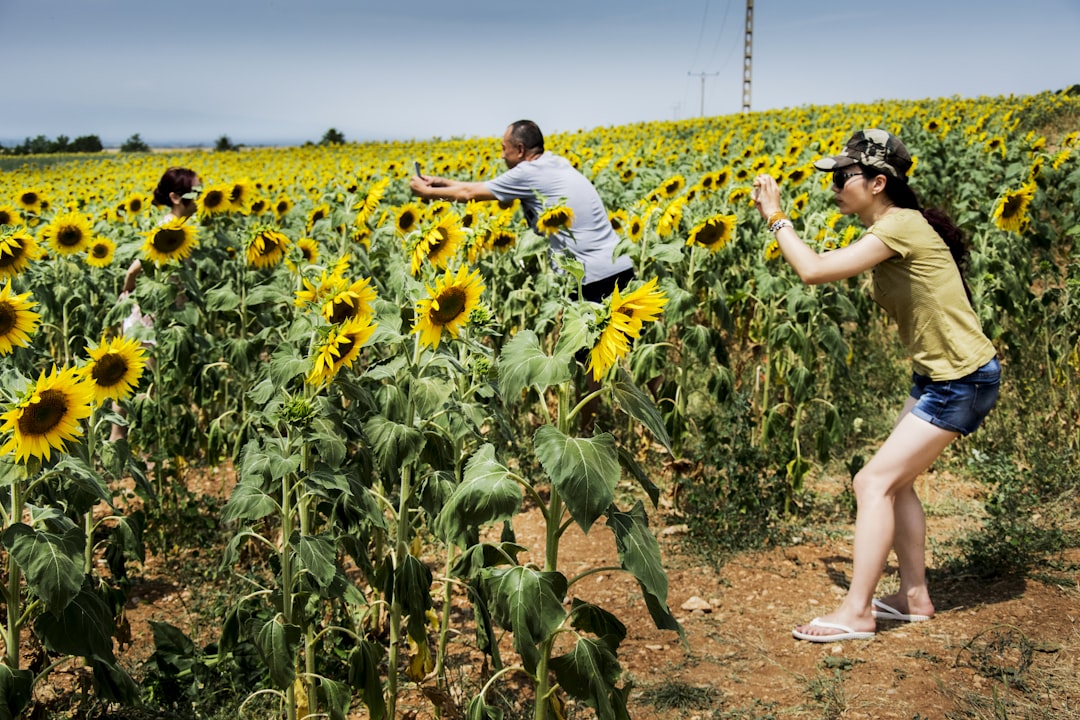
748	51
703	75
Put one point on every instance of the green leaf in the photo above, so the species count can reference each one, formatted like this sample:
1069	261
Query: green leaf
577	329
488	494
15	691
412	588
585	471
84	627
248	502
394	444
522	364
174	651
480	710
528	603
639	554
221	299
51	563
113	683
319	557
364	662
630	463
335	697
590	618
277	643
640	406
589	673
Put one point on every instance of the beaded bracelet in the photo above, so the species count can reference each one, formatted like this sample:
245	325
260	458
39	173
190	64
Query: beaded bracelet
781	223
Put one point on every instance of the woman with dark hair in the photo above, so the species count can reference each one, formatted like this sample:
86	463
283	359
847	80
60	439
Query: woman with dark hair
177	190
916	258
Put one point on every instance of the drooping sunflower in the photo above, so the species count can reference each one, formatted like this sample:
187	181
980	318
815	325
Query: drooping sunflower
772	251
351	302
169	242
1011	212
240	195
114	368
215	200
17	320
671	217
501	239
320	212
48	415
407	218
68	233
438	243
447	306
341	348
100	253
10	216
315	293
266	248
365	209
17	249
713	233
623	321
555	219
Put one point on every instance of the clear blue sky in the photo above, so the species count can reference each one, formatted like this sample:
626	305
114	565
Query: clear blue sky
265	71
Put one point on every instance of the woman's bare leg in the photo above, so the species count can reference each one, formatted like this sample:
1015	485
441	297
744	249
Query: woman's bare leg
888	511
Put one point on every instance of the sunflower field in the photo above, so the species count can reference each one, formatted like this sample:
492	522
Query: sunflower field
394	381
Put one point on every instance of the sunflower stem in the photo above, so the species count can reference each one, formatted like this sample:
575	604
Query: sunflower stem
14	600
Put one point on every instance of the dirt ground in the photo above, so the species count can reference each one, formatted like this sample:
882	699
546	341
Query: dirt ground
739	659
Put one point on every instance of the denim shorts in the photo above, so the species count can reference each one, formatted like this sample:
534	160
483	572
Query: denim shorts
959	405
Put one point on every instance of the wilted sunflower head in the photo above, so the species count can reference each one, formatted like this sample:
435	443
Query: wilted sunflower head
171	241
17	249
340	349
17	320
47	416
114	369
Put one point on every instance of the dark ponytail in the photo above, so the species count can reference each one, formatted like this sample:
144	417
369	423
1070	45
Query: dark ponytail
903	195
175	180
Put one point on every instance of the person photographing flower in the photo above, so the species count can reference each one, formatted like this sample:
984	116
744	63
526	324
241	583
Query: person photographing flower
916	258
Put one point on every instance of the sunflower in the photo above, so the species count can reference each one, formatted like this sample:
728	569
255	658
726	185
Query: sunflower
555	219
215	200
671	217
10	216
328	285
714	233
618	219
67	234
282	206
48	415
30	200
350	302
438	243
137	203
772	251
173	240
447	306
17	249
341	348
671	187
100	253
407	218
501	239
321	212
625	318
258	206
114	369
1011	212
240	195
309	250
17	321
365	209
636	228
266	248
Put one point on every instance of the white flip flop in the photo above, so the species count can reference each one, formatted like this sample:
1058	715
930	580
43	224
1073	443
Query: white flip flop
888	612
845	633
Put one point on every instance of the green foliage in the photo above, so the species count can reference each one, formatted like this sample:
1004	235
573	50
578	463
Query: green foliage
134	144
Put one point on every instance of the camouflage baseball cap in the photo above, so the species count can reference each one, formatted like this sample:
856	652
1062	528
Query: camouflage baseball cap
872	148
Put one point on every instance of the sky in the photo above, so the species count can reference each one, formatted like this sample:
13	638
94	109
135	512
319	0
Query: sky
285	71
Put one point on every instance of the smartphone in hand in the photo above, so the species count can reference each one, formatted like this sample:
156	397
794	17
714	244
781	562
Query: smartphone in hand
416	163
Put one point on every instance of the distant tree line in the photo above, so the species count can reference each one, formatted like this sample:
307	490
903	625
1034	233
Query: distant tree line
42	145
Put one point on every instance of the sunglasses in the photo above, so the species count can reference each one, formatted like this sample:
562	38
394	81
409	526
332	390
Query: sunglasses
839	178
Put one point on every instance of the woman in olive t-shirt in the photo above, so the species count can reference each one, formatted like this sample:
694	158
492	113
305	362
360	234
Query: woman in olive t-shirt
915	256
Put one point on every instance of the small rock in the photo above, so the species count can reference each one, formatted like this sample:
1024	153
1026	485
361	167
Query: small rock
696	603
675	530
